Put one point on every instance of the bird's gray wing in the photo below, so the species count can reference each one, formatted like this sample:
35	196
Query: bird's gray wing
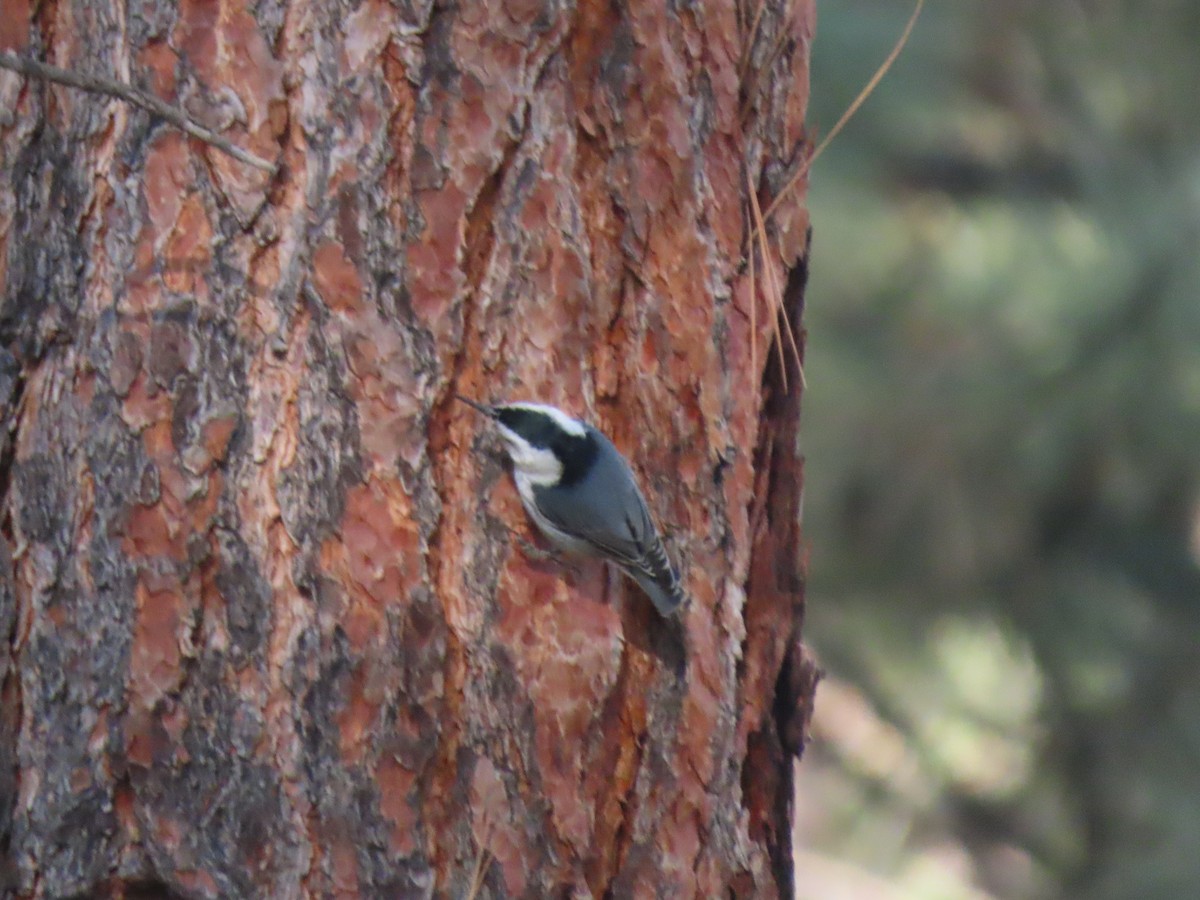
606	512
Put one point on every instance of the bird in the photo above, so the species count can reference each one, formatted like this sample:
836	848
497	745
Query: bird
582	494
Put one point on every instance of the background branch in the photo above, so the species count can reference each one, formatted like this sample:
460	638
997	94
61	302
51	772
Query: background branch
98	84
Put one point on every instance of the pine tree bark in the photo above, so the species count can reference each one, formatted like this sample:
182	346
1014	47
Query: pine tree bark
266	632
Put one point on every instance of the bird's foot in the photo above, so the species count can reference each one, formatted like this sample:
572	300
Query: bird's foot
543	554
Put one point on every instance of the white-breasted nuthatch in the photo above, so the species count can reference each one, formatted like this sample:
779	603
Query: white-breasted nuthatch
582	494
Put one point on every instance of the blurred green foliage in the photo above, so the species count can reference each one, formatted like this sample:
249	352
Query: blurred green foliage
1002	428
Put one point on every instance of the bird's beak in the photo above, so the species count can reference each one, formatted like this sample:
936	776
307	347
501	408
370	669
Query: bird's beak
489	411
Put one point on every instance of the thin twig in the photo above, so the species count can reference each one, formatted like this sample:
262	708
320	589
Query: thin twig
850	111
98	84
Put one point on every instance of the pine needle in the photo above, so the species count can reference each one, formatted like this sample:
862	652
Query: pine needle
753	36
477	877
753	307
850	110
768	64
774	295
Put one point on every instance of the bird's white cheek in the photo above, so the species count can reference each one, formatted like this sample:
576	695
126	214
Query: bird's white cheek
535	466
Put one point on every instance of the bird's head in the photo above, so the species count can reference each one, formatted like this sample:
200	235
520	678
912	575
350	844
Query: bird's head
545	444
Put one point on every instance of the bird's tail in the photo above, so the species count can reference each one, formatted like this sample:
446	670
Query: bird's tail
657	577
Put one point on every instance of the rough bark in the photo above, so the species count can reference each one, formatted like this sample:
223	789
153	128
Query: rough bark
265	632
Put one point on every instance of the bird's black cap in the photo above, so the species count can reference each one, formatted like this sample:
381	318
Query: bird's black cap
571	442
534	424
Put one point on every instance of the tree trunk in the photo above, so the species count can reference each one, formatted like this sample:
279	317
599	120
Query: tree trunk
266	630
